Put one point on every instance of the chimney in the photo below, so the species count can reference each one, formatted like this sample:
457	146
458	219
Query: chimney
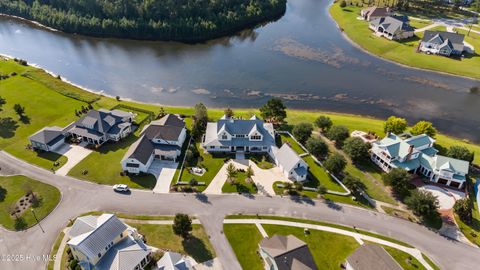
410	151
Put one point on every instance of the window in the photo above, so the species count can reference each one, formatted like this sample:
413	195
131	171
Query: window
133	165
99	255
256	137
121	235
212	147
240	136
224	137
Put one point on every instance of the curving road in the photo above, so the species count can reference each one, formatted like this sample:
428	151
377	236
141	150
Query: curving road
79	197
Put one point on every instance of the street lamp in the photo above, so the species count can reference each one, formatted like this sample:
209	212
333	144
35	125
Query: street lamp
38	222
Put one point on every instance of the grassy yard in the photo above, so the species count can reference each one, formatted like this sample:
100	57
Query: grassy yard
329	250
103	166
284	138
12	188
244	239
316	175
399	213
211	162
419	23
240	185
406	261
263	161
162	236
471	231
402	52
54	250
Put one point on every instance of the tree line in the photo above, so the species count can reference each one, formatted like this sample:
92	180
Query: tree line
181	20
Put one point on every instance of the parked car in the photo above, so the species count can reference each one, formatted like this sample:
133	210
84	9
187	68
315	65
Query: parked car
121	188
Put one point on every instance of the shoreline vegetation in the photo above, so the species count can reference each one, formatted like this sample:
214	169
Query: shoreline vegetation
48	99
403	52
189	22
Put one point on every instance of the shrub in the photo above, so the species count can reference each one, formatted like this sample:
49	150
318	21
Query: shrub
302	132
461	152
463	208
395	124
356	149
424	127
422	203
323	122
335	163
343	3
317	147
399	180
338	134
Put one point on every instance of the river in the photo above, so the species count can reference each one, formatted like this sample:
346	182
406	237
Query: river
302	58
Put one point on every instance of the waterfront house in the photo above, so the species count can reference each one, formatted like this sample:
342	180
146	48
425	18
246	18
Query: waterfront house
374	12
161	140
442	43
417	154
291	164
100	126
239	135
175	261
392	28
48	139
371	257
106	243
281	252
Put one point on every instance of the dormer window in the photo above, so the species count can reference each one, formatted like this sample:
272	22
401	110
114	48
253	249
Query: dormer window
256	137
224	137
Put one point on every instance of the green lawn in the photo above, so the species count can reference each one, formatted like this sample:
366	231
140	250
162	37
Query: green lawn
471	231
284	138
12	188
54	250
402	52
162	236
329	250
211	162
406	261
103	166
263	161
244	239
419	23
240	186
318	175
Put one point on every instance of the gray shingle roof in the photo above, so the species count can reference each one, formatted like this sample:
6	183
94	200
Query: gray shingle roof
391	24
169	120
98	123
289	252
455	40
48	135
174	261
372	257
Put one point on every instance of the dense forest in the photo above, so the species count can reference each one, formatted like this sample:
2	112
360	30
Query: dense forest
181	20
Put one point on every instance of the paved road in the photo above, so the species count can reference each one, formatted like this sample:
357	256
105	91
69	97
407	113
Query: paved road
79	197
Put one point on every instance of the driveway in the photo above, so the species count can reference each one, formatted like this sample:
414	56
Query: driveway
163	172
74	153
445	197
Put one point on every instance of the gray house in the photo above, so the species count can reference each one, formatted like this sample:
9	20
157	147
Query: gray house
48	139
98	127
281	252
442	43
232	135
371	257
391	28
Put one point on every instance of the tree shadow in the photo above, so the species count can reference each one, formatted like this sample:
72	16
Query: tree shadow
20	224
197	249
144	179
3	194
202	198
8	126
25	119
332	205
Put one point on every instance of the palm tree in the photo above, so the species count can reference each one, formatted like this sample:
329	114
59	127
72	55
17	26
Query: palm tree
231	172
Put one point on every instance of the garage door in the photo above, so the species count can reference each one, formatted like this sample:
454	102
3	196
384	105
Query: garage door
442	181
454	184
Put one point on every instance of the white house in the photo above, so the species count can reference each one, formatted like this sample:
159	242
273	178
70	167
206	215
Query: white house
417	154
232	135
48	139
442	43
161	140
291	164
105	243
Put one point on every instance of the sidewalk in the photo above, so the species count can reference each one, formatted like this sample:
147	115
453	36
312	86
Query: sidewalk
358	236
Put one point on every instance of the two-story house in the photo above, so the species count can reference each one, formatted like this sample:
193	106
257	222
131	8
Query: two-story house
417	154
161	140
106	243
391	27
100	126
239	135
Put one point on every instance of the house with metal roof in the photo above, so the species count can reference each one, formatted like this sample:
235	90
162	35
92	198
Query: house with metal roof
417	154
162	140
391	27
442	43
175	261
48	139
100	126
291	164
239	135
105	243
281	252
374	12
371	257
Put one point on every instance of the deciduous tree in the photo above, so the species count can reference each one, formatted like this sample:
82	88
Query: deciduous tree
395	124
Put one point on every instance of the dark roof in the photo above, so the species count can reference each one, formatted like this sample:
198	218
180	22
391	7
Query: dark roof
48	136
168	133
392	24
289	252
141	150
376	11
169	120
102	121
456	40
372	257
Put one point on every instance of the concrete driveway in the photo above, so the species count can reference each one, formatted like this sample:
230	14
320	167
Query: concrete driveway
74	153
163	172
445	197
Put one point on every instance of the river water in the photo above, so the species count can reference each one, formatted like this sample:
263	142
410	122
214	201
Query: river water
302	58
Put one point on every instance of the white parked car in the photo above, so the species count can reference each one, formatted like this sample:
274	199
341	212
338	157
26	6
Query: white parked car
121	188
